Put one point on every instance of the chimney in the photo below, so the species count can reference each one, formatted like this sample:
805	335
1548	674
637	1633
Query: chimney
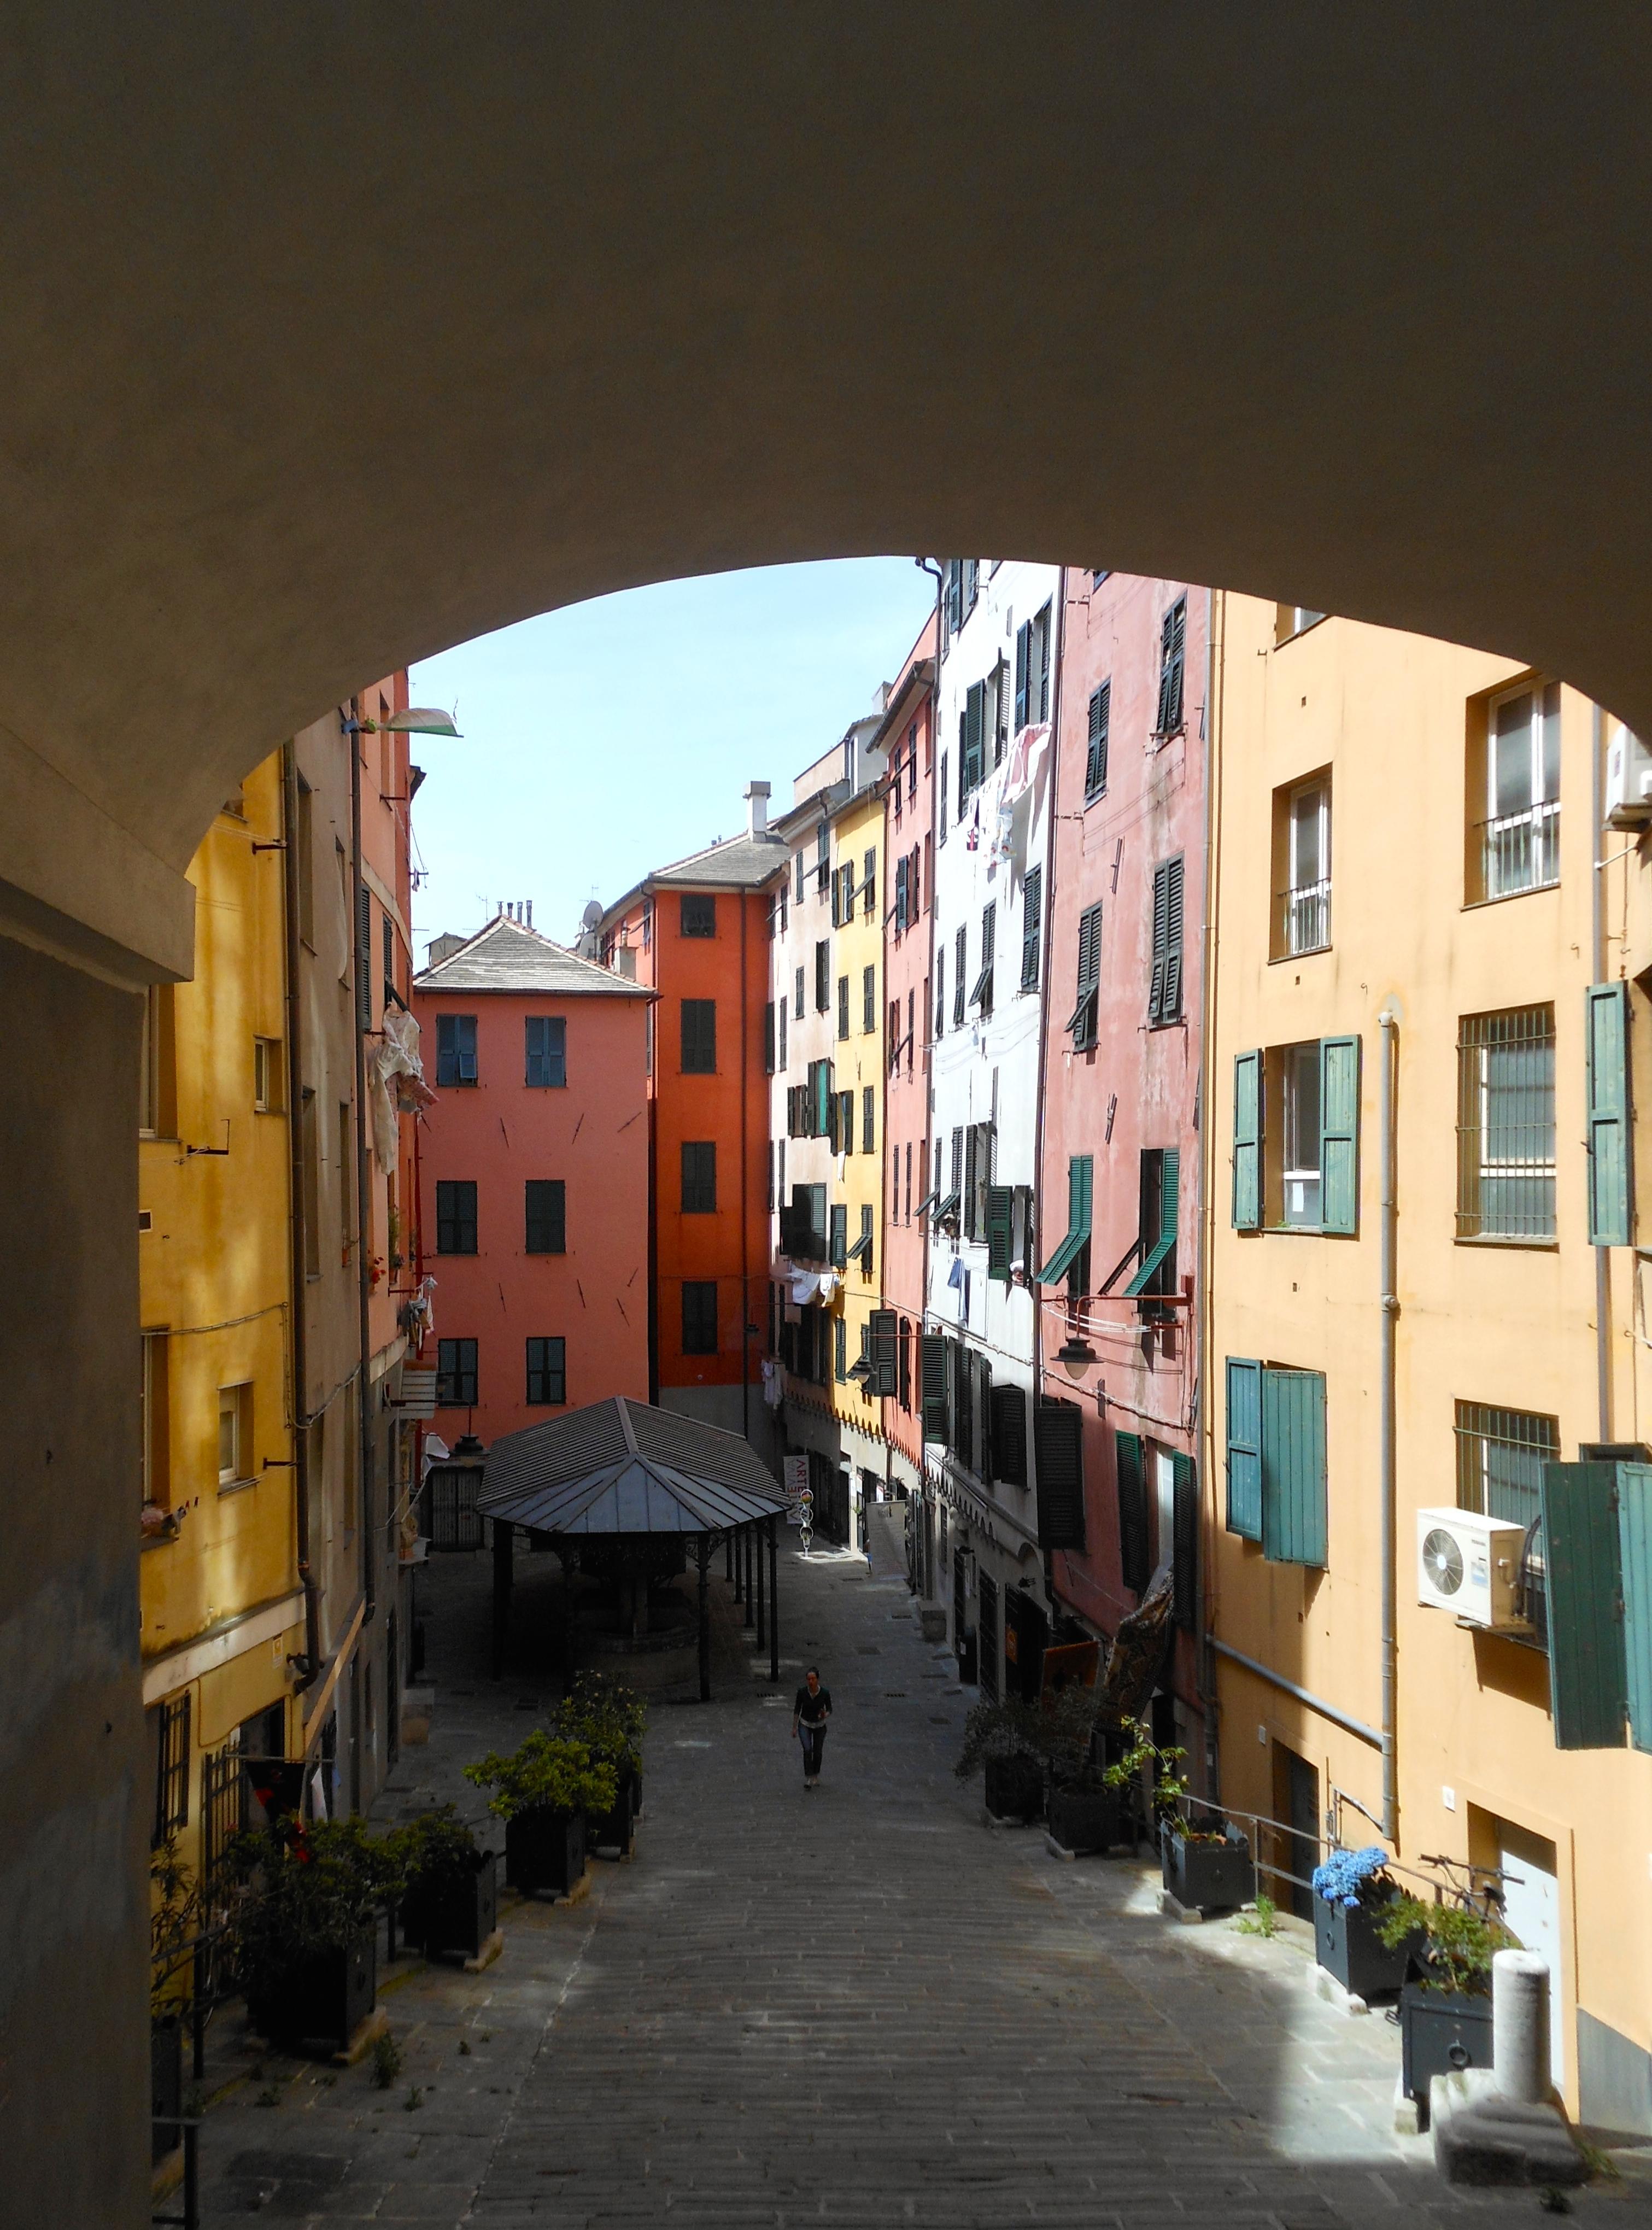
757	808
530	913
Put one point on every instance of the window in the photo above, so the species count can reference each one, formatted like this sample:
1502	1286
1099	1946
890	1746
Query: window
869	884
971	751
908	1180
1506	1125
797	996
1609	1146
1299	1174
267	1075
1156	1225
842	896
797	871
843	1123
1302	844
1032	671
839	1350
960	964
699	1315
1082	1022
837	1253
1292	620
822	976
818	1100
699	1037
1518	847
455	1049
940	989
547	1373
982	994
234	1433
770	1049
157	1111
1032	923
1500	1455
1164	989
699	1176
1095	763
903	1365
862	1250
822	858
546	1037
1303	1175
455	1215
782	1055
979	1144
310	1141
1276	1460
546	1201
803	1231
1058	1461
698	916
868	1120
911	1022
387	945
842	1006
456	1374
869	998
902	909
305	837
171	1737
155	1420
940	806
1172	651
1071	1259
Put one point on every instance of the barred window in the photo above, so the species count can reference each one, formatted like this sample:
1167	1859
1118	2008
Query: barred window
1505	1185
172	1735
1500	1455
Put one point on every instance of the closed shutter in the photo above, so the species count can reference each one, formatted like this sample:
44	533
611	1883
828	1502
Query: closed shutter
1032	925
1133	1510
769	1045
972	768
1022	661
782	1048
1058	1457
1293	1468
1583	1579
983	1416
1161	941
1244	1448
822	1111
364	957
1046	636
1095	763
970	1138
932	1351
1339	1135
900	916
1185	1549
1634	1551
1247	1140
1609	1161
999	1207
1172	652
883	1350
1009	1434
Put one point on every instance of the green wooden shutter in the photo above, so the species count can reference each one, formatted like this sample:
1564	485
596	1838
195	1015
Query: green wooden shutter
1022	661
1133	1510
883	1349
1339	1135
1009	1434
1244	1448
1161	941
1634	1551
1293	1467
931	1350
1046	640
1172	1002
1000	1203
1607	1021
1095	763
1160	1244
1583	1578
1185	1569
1247	1140
1080	1176
1058	1456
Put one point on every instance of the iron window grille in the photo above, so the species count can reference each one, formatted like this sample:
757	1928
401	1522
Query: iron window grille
1305	904
1506	1168
699	1315
1519	842
172	1769
223	1811
455	1215
456	1374
1500	1455
1095	762
547	1050
547	1373
698	917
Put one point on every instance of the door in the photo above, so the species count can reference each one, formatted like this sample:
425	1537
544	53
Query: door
964	1640
1296	1805
1164	1507
1532	1908
987	1637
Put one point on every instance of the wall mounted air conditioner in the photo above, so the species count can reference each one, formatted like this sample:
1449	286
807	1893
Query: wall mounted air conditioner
1629	780
1470	1566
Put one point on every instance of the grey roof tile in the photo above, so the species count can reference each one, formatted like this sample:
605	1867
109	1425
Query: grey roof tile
507	956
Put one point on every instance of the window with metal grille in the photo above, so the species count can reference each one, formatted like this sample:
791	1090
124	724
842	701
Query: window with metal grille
171	1769
1506	1184
869	998
699	1315
455	1215
699	1176
1164	987
456	1374
1519	840
960	979
699	914
1095	763
455	1048
1172	650
1500	1455
223	1809
1081	1023
1032	927
547	1050
547	1372
699	1037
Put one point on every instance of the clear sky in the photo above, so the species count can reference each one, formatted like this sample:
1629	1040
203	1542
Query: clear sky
614	737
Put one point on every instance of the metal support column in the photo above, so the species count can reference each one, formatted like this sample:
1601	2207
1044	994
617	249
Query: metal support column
758	1532
504	1542
569	1568
736	1541
746	1533
728	1556
705	1619
774	1601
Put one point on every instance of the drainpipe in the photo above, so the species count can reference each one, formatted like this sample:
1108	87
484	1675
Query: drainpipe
363	986
298	1245
1388	1023
1043	1011
927	565
1204	1667
1597	966
745	1189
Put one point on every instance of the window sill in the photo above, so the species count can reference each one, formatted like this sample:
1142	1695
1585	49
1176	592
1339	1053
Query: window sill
1308	952
1494	1242
235	1486
1506	897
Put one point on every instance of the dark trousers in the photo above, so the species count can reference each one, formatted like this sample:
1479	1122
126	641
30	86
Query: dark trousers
814	1741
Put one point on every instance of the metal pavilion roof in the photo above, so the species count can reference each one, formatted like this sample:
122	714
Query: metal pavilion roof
620	1466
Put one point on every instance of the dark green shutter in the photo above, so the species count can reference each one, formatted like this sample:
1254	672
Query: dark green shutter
1058	1457
1161	1244
1244	1448
931	1350
1247	1140
1293	1468
364	957
1583	1578
768	1038
1185	1567
984	1416
1133	1510
1046	638
1000	1203
1009	1434
883	1350
1032	921
1634	1551
1607	1021
1095	764
1080	1172
1022	661
1339	1135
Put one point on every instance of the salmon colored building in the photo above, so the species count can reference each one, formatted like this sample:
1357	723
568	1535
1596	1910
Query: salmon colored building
696	935
533	1181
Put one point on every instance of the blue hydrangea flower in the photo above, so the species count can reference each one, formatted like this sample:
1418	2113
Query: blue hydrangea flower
1339	1880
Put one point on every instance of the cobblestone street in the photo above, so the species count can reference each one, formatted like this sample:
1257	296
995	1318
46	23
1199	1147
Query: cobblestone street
857	2008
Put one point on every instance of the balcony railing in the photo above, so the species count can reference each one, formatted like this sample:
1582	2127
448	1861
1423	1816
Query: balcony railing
1305	919
1520	851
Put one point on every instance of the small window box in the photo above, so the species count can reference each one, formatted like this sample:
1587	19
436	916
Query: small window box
1208	1877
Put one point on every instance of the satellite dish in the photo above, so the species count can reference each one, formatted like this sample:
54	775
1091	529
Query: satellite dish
592	914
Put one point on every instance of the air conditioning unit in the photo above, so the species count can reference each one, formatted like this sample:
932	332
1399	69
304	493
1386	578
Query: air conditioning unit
1629	780
1470	1565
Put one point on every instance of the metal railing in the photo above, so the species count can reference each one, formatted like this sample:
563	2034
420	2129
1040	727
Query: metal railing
1305	919
1520	851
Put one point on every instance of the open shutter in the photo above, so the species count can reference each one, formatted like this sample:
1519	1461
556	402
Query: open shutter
1244	1448
1185	1570
1293	1467
1583	1578
1022	661
1634	1551
364	957
1095	763
1607	1019
1160	1245
1009	1434
1133	1510
883	1350
1161	931
1172	990
999	1207
931	1350
1247	1140
1339	1135
1058	1457
1046	639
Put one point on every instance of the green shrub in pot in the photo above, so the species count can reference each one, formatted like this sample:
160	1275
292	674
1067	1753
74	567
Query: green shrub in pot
548	1772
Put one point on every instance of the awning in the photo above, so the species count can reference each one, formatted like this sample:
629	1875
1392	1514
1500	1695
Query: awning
621	1467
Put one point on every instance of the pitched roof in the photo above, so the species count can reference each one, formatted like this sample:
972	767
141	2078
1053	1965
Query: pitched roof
622	1466
737	863
507	955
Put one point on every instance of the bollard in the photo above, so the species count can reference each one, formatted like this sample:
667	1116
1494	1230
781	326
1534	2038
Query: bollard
1520	2027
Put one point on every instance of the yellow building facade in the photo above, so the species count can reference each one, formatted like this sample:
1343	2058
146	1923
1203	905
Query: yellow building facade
855	1193
1407	919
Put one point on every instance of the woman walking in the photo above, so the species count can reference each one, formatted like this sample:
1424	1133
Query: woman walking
810	1714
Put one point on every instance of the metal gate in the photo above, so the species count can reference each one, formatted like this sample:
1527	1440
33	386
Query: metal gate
451	1517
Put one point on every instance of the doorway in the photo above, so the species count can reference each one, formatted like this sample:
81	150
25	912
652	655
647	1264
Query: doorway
1532	1909
1296	1804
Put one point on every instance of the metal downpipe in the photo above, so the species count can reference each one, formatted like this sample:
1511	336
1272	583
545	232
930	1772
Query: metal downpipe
1597	974
1388	1022
298	1243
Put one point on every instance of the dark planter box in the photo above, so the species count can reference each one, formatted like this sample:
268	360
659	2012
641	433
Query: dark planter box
1015	1788
545	1849
612	1830
1084	1819
1212	1876
1348	1946
1440	2032
166	2084
453	1914
323	1999
636	1797
968	1658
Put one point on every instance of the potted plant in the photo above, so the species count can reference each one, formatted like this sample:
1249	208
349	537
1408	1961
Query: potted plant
610	1719
1352	1892
1084	1804
174	1917
1445	2001
450	1901
305	1925
542	1792
1208	1868
1006	1743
